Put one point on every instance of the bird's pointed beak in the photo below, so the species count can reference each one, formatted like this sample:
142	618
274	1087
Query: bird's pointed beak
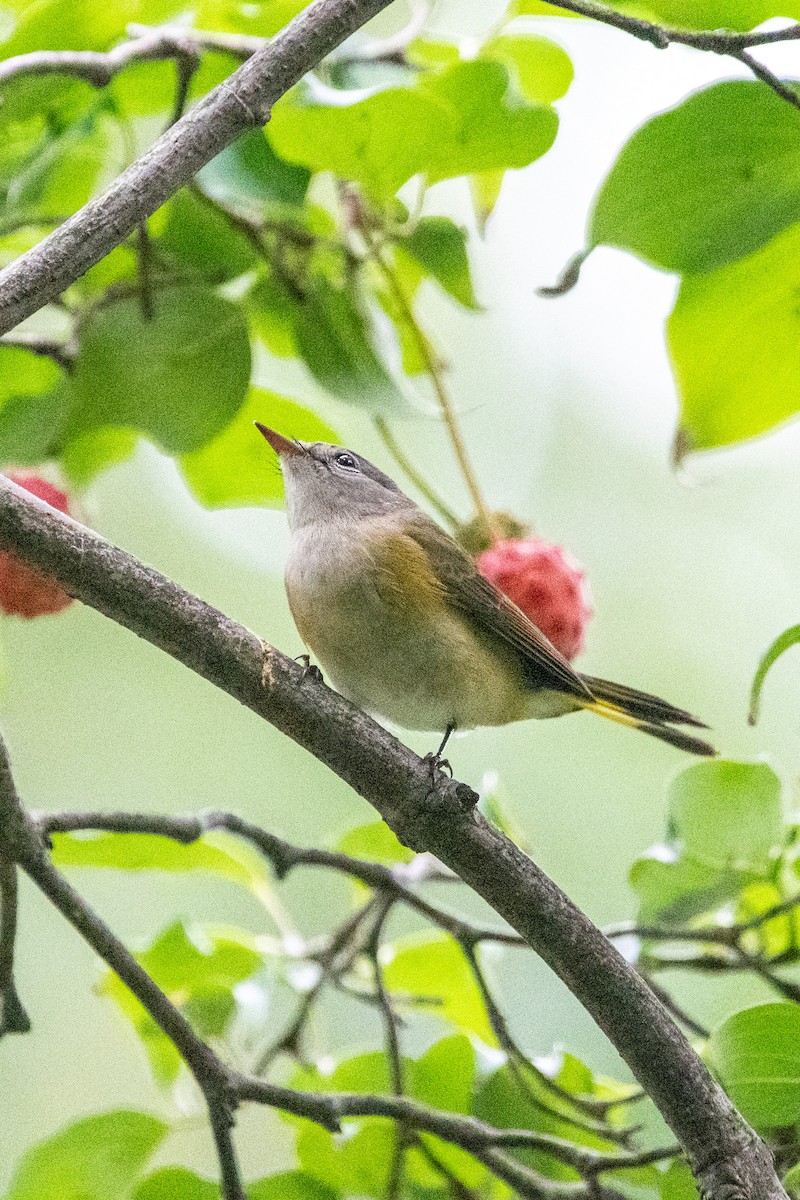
281	445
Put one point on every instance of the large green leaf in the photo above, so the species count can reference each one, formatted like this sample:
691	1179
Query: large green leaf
706	183
236	468
433	970
216	853
179	378
98	1158
375	842
380	141
712	14
757	1055
492	127
734	340
726	829
62	175
464	119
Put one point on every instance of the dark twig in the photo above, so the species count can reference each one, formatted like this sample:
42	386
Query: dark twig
438	816
13	1018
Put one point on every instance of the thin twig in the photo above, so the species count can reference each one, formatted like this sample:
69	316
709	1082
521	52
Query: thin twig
13	1017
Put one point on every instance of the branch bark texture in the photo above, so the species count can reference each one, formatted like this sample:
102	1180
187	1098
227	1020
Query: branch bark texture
729	1160
241	102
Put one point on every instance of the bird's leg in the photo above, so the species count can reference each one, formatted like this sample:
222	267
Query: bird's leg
435	761
309	670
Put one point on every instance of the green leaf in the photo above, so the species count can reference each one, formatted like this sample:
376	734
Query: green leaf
85	456
432	969
250	173
465	119
270	303
734	341
98	1158
236	468
198	969
216	853
334	336
444	1075
790	637
176	1183
179	379
63	174
289	1185
739	15
375	842
493	129
757	1055
33	406
706	183
677	1183
726	829
200	239
439	247
541	70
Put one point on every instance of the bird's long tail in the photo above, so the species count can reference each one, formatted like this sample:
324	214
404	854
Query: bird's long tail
638	710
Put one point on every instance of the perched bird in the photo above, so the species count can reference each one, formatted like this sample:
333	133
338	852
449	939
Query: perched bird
403	623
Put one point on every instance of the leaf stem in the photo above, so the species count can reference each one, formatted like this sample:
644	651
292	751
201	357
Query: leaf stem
434	370
410	471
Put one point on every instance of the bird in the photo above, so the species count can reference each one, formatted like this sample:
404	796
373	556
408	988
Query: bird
404	625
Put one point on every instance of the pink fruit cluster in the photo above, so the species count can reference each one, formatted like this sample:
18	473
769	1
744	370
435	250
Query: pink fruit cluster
546	583
24	591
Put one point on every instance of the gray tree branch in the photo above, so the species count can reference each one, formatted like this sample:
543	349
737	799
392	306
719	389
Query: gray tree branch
728	1159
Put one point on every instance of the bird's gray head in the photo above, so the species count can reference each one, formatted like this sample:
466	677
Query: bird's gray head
326	483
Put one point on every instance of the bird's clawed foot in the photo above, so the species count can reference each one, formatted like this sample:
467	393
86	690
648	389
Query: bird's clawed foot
435	762
310	671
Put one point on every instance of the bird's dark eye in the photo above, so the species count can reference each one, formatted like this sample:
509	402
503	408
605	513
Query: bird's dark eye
346	460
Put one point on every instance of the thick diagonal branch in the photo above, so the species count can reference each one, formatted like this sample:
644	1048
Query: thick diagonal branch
726	1155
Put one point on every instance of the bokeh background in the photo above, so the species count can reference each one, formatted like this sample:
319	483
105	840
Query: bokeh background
568	407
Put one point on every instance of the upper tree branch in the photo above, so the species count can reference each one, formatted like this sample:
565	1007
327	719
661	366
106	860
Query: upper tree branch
241	102
727	1157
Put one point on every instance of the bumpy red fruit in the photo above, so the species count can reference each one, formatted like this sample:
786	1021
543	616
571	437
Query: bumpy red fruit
547	584
24	591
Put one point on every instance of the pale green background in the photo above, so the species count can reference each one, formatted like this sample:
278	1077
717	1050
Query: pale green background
568	408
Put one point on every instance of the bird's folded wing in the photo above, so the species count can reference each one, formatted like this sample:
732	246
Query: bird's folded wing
466	591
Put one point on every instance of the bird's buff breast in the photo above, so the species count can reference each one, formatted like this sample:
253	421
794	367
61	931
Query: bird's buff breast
369	609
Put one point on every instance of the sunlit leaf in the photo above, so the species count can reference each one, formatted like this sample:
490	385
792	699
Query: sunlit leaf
98	1158
198	969
541	70
375	842
289	1185
237	467
176	1183
63	174
178	379
433	969
706	183
677	1183
734	341
757	1055
86	455
216	853
726	829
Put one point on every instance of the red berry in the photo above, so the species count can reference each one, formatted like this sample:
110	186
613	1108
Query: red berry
24	591
547	584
